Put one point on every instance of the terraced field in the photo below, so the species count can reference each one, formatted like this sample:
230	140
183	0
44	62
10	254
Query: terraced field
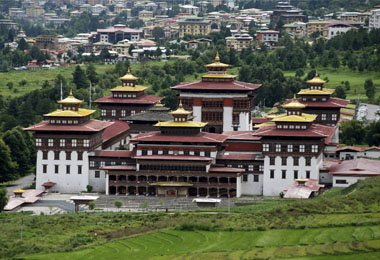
281	243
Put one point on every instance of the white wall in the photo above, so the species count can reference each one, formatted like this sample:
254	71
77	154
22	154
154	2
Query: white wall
349	179
65	183
250	187
227	119
244	121
197	113
98	184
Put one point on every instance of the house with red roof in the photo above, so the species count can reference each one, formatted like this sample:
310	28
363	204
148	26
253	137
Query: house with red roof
354	152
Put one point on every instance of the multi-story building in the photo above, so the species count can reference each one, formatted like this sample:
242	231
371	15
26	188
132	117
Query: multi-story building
336	29
292	148
319	102
194	26
297	29
239	42
46	42
145	15
177	160
374	19
118	33
354	17
269	38
34	11
66	140
189	9
127	99
286	13
317	26
219	99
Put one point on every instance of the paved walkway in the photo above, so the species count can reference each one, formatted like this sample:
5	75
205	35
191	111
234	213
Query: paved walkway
21	183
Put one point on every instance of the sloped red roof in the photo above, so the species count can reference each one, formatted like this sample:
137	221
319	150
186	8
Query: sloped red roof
143	100
331	102
217	86
259	120
315	130
120	167
297	191
173	157
226	169
353	148
90	126
203	137
116	153
357	167
118	127
241	135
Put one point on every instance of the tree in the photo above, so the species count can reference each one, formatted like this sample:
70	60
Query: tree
118	203
3	198
369	88
158	33
7	166
373	134
131	48
91	73
91	205
22	45
79	78
352	132
340	92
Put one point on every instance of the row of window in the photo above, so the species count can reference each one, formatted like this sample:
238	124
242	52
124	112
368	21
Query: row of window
122	112
155	151
56	169
255	178
290	148
280	126
103	163
272	161
64	122
283	174
45	155
125	95
249	168
163	167
63	142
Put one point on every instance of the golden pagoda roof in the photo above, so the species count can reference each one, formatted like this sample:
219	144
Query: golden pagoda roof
19	191
316	80
294	104
129	76
180	110
303	118
217	63
70	113
159	104
263	124
70	99
324	91
181	124
136	88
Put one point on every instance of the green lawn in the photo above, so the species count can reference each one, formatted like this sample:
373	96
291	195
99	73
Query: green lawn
173	244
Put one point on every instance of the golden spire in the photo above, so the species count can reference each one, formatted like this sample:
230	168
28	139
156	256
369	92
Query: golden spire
316	80
217	59
71	92
180	110
70	99
129	76
294	104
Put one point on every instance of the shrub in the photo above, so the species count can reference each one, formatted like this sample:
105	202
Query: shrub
118	203
89	188
91	205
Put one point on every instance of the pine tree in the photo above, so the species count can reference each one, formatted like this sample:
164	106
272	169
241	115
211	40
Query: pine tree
91	73
7	166
15	141
79	78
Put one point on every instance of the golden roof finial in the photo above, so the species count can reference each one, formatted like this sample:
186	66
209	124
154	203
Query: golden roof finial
217	59
294	97
129	70
71	92
70	99
180	104
316	74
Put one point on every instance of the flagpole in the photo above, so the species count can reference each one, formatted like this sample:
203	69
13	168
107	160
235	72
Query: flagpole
90	92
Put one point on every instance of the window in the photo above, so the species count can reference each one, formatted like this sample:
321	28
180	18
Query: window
302	148
250	168
307	161
92	164
265	147
334	117
123	113
74	142
104	112
133	112
113	112
314	148
255	178
340	181
80	156
272	160
44	155
62	142
307	174
278	147
79	169
272	174
295	161
295	174
50	142
245	177
283	174
323	117
144	151
68	155
261	168
186	152
283	160
44	168
290	148
56	169
197	152
56	155
38	141
208	153
67	169
86	143
97	174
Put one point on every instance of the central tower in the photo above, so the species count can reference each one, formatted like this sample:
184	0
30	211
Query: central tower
218	99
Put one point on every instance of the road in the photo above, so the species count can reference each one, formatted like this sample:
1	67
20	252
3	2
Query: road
368	111
21	183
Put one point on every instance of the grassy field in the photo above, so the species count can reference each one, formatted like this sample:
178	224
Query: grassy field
173	244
